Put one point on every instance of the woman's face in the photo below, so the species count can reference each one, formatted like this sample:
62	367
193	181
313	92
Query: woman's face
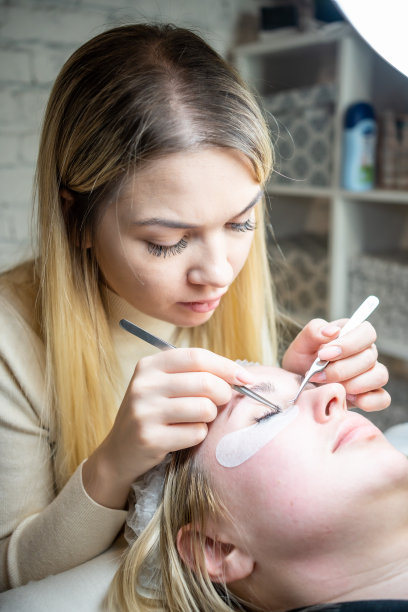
180	233
309	490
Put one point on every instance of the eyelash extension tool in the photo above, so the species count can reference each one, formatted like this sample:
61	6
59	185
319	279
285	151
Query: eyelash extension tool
361	314
165	346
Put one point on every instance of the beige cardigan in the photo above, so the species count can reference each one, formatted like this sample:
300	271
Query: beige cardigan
42	533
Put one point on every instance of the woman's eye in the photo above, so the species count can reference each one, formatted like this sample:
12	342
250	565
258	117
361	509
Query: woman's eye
159	250
247	226
268	414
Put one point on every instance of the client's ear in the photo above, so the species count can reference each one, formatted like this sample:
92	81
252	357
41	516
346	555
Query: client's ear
224	561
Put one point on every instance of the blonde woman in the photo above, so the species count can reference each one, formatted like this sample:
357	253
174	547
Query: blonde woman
151	168
314	511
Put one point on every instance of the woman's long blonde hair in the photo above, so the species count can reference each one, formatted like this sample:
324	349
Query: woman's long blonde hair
126	97
152	576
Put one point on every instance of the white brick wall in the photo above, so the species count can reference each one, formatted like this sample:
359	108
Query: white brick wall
36	37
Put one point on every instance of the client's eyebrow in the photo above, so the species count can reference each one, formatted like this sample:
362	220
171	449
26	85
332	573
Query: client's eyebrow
259	387
263	387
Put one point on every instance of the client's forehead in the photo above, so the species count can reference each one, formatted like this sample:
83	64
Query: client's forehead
270	373
273	378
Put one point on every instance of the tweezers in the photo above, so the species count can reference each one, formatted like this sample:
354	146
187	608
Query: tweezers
360	315
165	346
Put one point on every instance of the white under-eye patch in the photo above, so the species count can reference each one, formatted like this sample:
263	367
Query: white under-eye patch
239	446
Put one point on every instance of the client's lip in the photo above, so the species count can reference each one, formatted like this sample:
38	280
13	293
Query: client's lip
353	429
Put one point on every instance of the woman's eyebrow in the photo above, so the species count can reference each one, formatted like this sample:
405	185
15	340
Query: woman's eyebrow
179	225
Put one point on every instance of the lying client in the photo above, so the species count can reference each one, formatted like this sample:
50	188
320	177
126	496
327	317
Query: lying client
276	510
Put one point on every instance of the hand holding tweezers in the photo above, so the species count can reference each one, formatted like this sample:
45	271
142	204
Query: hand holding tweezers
164	346
360	315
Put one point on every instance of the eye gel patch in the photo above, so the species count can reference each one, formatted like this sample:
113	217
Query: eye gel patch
239	446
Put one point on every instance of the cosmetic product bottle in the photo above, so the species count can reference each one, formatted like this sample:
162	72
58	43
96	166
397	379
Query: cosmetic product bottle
359	147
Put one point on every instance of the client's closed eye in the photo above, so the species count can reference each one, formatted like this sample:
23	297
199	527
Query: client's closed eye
266	387
268	414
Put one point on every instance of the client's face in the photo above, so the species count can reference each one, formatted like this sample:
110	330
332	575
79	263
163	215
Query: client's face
310	484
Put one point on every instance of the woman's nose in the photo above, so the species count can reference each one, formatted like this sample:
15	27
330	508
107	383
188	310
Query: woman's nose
326	401
212	266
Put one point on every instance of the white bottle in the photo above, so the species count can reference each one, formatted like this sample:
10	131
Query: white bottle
359	146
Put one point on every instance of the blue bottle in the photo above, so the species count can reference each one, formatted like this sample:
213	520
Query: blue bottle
359	146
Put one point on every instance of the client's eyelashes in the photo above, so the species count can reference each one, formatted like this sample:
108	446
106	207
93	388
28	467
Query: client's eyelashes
268	414
159	250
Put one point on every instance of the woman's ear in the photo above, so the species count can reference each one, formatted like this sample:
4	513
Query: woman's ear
224	561
67	201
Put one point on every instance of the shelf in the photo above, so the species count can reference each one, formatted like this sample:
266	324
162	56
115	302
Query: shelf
297	40
353	223
384	196
306	191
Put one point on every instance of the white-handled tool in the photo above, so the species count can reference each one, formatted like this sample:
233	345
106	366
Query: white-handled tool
360	315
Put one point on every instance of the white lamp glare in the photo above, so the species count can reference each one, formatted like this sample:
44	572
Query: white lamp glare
383	24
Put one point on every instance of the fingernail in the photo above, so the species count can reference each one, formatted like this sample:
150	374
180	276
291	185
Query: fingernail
351	398
320	377
330	330
244	376
329	352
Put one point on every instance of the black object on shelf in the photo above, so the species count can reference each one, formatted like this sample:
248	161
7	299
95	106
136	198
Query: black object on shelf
281	16
327	11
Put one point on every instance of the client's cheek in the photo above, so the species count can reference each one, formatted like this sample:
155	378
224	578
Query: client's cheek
238	446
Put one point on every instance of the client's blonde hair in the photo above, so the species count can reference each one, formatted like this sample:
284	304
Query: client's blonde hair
152	576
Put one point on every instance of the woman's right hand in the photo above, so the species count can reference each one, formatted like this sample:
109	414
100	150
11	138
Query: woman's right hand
168	403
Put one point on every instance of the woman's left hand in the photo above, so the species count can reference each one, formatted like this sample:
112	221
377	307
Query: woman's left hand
353	361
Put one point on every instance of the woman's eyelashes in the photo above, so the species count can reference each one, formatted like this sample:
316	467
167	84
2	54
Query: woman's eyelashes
247	226
160	250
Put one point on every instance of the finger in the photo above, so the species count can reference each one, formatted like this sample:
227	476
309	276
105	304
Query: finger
354	341
371	380
176	437
302	350
201	360
190	410
332	330
309	339
199	384
344	369
372	401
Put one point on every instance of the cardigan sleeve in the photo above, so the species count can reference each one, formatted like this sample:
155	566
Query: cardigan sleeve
41	532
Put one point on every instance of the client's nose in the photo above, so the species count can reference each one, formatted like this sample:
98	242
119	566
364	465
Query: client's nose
325	401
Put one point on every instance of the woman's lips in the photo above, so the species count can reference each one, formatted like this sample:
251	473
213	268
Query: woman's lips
202	305
355	430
